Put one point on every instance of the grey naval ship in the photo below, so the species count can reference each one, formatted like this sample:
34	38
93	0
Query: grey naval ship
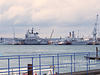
32	38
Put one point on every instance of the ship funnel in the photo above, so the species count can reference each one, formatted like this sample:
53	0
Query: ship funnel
32	30
73	37
70	34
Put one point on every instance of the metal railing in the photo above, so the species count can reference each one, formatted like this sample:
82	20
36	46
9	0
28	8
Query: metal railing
43	63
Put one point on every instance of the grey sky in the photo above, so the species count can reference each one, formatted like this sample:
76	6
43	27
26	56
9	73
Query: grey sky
63	16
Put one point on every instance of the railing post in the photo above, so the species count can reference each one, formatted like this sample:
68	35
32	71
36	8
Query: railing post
96	51
87	64
58	62
30	68
89	59
74	62
53	63
12	71
19	64
8	66
32	65
71	64
40	63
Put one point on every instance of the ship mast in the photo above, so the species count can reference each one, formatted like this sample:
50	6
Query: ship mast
13	42
13	32
95	30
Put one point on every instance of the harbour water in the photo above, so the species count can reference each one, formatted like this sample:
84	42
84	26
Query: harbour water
45	49
49	49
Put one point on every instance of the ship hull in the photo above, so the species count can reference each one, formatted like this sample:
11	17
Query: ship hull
79	43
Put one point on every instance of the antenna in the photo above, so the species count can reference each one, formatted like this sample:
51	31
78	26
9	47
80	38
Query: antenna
78	34
14	32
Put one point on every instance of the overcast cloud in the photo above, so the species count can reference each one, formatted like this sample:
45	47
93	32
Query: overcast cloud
63	16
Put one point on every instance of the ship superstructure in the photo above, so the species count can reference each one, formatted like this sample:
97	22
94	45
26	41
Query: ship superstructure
32	38
76	41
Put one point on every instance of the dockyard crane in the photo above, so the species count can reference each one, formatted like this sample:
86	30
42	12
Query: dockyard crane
50	37
95	30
